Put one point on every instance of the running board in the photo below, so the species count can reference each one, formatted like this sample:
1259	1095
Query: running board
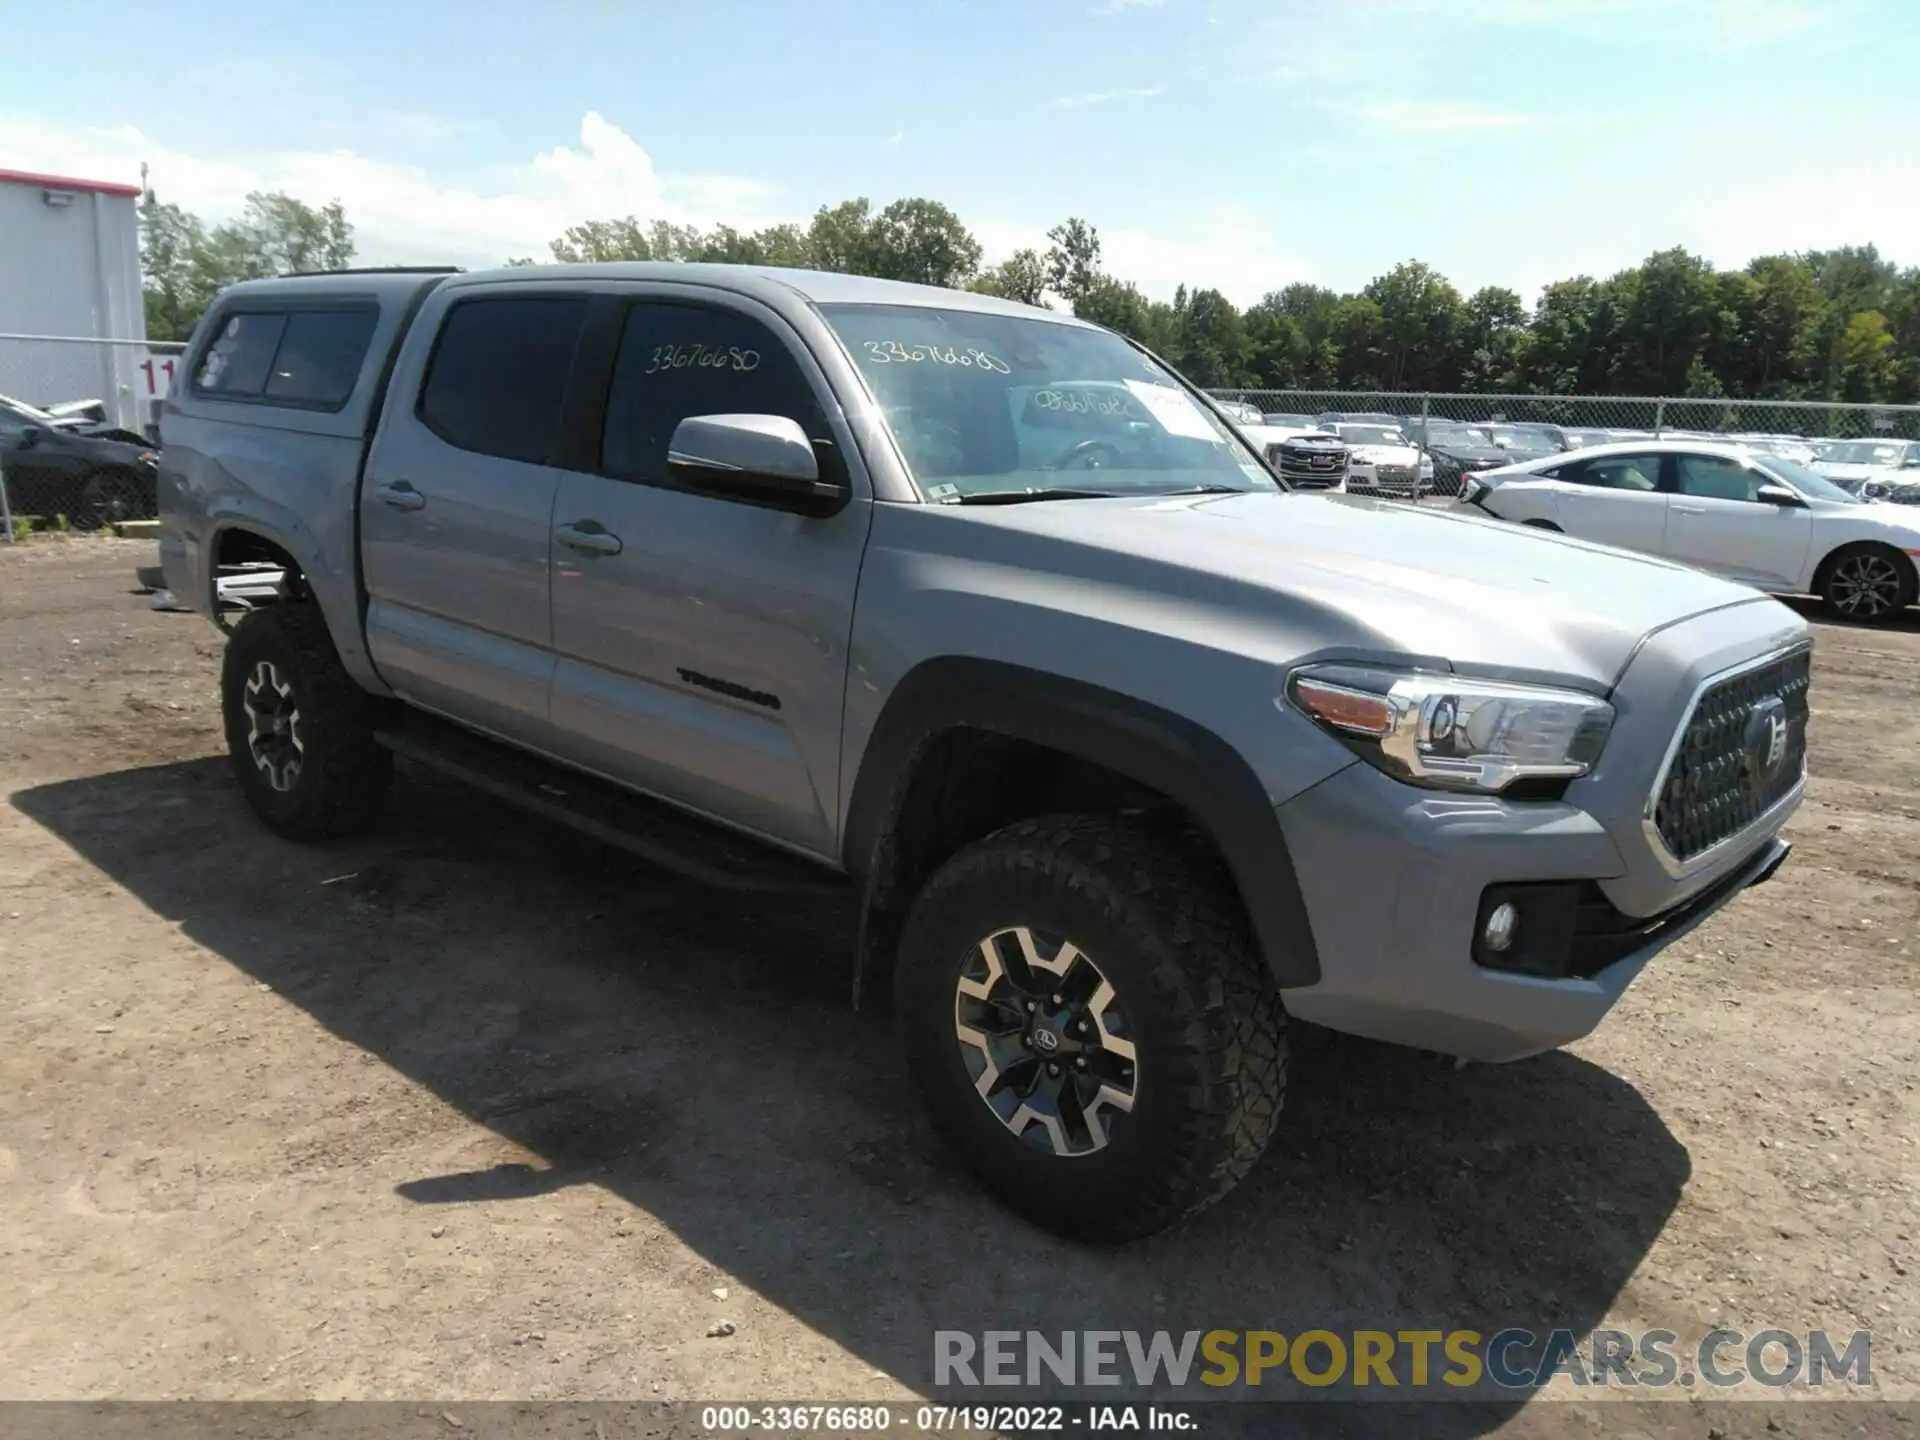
650	829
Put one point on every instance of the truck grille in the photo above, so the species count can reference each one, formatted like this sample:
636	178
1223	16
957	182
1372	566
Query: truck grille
1742	752
1309	466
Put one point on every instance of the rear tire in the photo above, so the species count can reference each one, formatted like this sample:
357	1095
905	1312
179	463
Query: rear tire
1867	583
299	730
108	498
1162	1011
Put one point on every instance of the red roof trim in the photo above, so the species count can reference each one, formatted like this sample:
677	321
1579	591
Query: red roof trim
67	182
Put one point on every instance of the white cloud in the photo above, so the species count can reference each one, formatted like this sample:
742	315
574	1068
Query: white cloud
404	212
1438	117
1233	253
1106	97
895	140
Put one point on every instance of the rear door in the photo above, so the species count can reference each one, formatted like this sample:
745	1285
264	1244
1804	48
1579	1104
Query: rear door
456	506
702	641
1614	499
1717	522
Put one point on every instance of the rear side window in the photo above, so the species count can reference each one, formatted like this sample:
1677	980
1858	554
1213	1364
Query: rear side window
498	373
681	360
237	363
306	358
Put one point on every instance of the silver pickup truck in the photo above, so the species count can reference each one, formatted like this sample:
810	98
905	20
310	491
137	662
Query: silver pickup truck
1128	756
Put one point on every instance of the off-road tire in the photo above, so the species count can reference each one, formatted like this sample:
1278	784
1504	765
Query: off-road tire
1164	926
344	775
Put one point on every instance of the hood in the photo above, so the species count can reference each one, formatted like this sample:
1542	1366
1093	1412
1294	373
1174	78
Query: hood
1473	452
1386	454
1338	575
1835	470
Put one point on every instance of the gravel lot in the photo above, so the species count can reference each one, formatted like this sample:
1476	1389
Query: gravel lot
473	1108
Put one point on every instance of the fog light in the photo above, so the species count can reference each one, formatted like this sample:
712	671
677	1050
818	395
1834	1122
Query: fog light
1501	924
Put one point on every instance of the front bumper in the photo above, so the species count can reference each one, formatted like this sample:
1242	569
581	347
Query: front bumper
1394	877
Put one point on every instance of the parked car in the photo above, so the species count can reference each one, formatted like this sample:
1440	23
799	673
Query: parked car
1527	441
55	468
1358	417
1285	420
1456	450
1869	460
981	620
1763	520
1240	413
1384	460
1792	447
1307	459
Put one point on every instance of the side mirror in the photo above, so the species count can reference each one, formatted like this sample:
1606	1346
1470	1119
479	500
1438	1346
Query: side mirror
1778	495
766	459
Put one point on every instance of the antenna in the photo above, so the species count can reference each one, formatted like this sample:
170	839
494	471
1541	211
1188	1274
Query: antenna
146	190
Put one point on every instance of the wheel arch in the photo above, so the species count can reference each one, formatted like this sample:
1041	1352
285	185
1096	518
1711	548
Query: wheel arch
1821	571
918	795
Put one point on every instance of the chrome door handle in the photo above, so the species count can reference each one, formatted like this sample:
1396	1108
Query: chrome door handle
593	541
401	496
1689	509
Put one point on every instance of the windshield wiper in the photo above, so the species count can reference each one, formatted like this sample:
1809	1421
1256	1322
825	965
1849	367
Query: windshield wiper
1021	497
1204	490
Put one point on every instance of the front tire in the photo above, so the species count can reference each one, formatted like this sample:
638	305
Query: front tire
1870	583
299	730
1089	1022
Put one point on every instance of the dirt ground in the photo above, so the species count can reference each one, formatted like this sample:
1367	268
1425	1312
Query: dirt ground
473	1108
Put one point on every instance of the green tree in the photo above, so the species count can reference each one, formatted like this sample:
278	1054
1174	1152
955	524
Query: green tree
1493	340
1210	345
1669	318
921	241
1022	276
184	264
1073	262
1416	341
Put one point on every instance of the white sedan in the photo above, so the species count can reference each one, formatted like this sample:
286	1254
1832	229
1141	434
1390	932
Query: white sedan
1384	460
1762	519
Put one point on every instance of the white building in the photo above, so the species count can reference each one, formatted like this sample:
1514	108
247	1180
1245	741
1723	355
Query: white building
70	268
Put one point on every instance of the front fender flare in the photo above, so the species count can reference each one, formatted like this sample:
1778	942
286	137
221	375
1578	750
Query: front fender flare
1151	746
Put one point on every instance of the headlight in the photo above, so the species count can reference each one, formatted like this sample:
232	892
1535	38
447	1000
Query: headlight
1448	732
148	457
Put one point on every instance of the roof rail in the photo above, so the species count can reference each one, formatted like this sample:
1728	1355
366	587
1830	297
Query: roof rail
378	270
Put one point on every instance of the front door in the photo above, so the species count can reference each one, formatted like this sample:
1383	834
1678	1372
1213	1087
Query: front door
1717	521
702	642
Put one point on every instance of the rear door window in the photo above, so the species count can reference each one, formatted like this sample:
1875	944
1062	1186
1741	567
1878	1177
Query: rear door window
1639	473
1714	477
499	372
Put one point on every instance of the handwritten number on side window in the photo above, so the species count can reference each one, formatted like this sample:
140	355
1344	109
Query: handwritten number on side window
702	357
892	352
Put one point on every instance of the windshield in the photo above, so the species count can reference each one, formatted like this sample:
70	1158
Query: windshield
1862	452
1810	483
1289	422
1370	435
998	404
1460	435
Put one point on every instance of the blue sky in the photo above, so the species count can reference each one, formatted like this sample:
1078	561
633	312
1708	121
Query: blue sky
1218	142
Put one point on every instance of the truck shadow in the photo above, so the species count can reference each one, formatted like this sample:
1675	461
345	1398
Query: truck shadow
695	1056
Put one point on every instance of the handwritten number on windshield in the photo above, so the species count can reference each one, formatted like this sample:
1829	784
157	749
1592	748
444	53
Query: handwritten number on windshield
1079	404
702	357
892	352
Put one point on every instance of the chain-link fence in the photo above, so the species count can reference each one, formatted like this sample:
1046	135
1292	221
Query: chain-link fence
1460	433
78	424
